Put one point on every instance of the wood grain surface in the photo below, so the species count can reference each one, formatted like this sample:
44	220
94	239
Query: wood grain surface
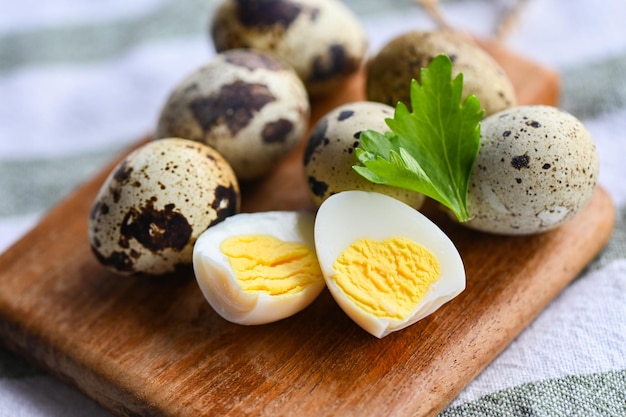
153	346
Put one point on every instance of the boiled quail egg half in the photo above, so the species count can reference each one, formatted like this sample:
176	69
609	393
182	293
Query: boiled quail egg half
385	264
257	268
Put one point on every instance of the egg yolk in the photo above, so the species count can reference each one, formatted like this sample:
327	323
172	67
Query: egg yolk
265	263
386	279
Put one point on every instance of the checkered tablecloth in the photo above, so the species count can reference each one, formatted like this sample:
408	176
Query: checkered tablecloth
82	80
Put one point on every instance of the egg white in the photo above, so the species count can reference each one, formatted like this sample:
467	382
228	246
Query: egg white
217	280
351	215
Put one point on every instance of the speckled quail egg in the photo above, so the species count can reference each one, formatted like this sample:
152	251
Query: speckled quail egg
322	39
329	154
386	264
391	70
156	202
536	168
256	268
250	106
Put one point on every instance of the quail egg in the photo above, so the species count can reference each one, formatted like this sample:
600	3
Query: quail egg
322	39
156	202
329	154
537	167
257	268
390	72
250	106
386	264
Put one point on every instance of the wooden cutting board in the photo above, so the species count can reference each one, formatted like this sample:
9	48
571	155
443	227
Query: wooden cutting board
153	347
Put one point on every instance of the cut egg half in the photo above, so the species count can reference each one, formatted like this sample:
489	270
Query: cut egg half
257	268
385	263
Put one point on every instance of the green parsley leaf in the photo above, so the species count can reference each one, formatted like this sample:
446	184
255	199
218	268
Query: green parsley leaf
431	149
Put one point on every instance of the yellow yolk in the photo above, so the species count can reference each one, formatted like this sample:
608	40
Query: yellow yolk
386	279
265	263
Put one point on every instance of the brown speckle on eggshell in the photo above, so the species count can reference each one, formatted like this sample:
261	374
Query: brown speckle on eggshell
537	167
156	202
330	153
251	107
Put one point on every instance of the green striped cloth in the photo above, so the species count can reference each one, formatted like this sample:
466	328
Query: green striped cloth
80	81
